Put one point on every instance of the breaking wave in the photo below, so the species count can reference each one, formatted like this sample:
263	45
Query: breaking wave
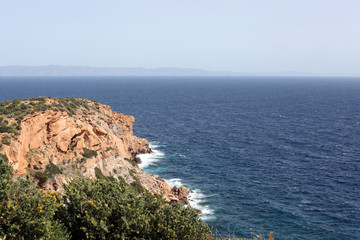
196	198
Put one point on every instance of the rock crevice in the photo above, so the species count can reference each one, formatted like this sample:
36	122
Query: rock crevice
56	137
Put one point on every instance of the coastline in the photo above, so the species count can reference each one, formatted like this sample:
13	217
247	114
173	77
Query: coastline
196	198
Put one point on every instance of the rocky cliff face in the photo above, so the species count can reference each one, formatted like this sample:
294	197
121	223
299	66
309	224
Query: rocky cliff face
56	140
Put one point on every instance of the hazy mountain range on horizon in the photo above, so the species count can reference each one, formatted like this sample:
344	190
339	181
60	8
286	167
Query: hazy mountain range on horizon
58	70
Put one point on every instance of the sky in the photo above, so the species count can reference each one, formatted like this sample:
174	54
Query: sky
252	36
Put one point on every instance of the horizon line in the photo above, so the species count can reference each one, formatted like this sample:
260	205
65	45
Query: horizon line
182	71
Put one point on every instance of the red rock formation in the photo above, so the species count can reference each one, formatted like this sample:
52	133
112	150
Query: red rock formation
54	136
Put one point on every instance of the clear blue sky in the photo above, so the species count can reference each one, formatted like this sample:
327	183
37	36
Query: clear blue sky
316	36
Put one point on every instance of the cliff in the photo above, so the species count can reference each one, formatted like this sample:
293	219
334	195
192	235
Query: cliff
55	140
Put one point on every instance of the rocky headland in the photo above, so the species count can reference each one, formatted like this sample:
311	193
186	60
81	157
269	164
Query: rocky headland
55	140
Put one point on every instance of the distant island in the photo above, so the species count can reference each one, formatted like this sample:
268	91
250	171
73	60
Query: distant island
54	70
57	70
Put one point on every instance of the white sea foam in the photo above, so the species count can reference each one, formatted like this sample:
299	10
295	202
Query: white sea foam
154	145
174	182
196	197
148	159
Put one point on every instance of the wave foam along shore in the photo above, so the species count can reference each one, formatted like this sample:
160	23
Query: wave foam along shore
148	159
196	197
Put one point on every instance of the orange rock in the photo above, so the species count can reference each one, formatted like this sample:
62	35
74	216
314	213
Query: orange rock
50	136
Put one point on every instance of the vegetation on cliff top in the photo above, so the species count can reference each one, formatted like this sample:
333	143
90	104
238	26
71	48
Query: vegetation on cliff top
12	112
90	209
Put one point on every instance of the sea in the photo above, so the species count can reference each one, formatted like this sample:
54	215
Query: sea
259	154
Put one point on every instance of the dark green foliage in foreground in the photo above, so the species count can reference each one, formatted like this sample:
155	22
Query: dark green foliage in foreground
104	209
26	212
178	222
89	153
90	209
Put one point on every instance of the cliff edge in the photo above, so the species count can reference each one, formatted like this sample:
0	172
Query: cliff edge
55	140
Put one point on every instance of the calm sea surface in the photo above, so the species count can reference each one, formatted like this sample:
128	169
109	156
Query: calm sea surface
260	154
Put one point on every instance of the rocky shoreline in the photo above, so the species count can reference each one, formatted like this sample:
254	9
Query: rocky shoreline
58	140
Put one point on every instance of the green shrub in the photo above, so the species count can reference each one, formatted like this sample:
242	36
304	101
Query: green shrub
6	140
178	222
90	209
23	106
133	163
4	160
137	186
25	212
41	176
4	127
89	153
99	174
103	209
41	107
52	169
40	99
132	173
121	180
86	106
18	109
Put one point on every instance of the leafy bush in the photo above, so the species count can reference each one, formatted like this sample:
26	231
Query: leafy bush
25	212
178	222
89	153
99	174
40	99
90	209
5	128
41	176
50	170
133	163
41	107
23	106
137	186
3	160
6	140
103	209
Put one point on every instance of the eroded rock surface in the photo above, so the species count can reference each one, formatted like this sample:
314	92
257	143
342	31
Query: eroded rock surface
53	137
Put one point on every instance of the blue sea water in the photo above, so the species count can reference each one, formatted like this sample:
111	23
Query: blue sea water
260	154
